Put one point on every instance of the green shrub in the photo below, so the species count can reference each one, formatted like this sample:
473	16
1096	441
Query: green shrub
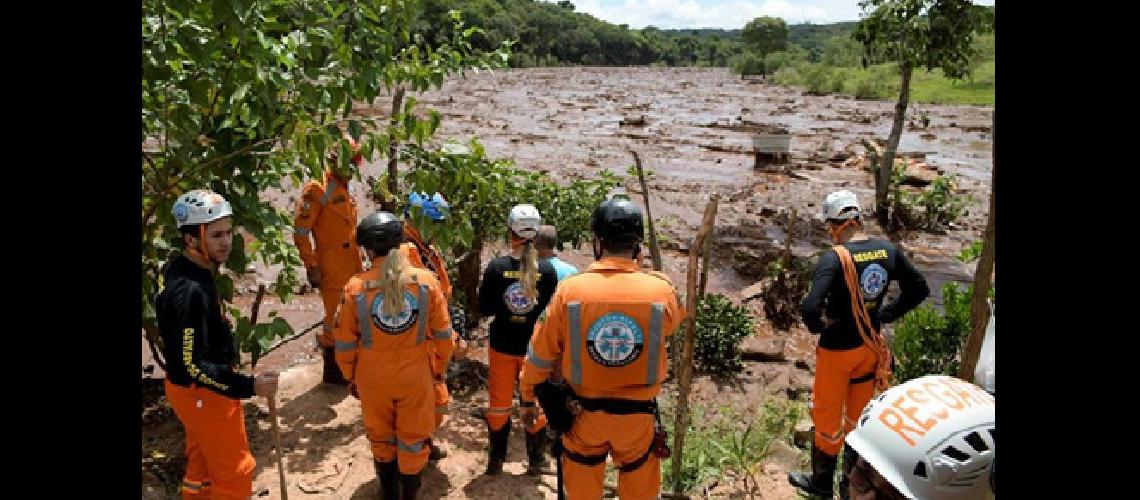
928	343
721	326
778	60
788	75
748	63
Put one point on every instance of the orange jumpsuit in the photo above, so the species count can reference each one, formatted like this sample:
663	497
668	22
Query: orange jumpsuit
328	212
442	398
218	462
608	330
391	361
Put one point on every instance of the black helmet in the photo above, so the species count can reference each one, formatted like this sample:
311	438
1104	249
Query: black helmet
618	220
380	232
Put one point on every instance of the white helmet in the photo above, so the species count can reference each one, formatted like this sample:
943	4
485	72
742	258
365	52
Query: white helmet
931	438
524	221
836	202
200	206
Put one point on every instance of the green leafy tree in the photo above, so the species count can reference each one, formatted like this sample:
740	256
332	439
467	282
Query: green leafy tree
917	33
765	35
238	96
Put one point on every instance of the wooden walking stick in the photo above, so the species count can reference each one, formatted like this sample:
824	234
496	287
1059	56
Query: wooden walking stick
272	403
277	442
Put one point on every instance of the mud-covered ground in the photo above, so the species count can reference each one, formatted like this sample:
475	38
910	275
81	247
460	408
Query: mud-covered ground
693	128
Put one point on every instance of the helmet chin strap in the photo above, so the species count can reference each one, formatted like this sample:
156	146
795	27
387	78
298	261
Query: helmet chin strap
201	250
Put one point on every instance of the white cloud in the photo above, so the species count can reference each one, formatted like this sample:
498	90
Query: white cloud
726	14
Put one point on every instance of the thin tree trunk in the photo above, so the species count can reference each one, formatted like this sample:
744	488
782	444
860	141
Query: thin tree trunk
886	168
654	249
979	310
469	280
393	174
686	376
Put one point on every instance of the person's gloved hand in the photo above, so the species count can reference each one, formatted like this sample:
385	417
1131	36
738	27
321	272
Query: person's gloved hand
887	315
528	414
314	275
265	384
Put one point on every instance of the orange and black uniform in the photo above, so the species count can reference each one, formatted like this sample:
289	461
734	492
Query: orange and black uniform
392	361
501	296
327	212
844	368
201	384
607	330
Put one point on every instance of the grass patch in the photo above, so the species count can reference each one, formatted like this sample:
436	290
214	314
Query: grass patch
882	82
725	439
934	88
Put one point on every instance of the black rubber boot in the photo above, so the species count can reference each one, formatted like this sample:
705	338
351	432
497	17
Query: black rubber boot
386	473
435	453
409	486
498	450
819	483
536	453
332	374
849	458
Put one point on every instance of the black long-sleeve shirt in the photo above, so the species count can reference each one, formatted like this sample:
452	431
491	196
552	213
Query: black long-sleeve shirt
198	343
877	263
500	295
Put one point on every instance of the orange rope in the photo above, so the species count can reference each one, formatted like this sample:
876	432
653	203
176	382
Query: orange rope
873	338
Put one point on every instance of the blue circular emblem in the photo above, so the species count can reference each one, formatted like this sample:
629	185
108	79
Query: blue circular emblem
615	339
874	280
400	323
516	301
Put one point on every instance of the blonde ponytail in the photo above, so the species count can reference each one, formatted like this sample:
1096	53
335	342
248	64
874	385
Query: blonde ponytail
393	281
528	275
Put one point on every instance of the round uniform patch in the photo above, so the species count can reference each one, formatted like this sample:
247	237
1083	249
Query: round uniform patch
400	323
874	279
615	339
181	212
516	301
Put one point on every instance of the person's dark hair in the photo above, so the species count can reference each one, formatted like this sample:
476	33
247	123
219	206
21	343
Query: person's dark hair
546	238
619	246
190	229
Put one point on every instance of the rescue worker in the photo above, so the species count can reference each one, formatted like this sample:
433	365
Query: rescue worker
608	330
544	242
327	213
930	438
514	290
424	255
201	384
852	358
392	330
